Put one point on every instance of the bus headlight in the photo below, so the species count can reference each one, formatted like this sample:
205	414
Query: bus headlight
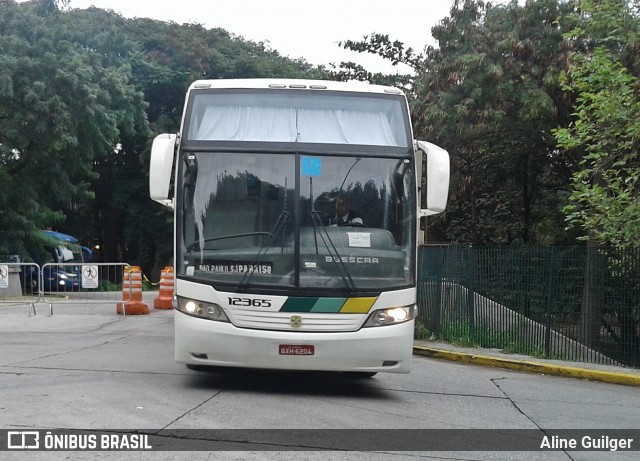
391	316
210	311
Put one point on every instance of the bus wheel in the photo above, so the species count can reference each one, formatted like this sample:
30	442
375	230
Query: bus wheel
362	374
191	366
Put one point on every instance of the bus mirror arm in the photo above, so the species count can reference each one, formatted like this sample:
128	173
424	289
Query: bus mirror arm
436	172
168	203
424	212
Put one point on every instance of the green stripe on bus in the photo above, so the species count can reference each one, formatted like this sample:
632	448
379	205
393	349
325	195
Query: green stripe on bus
328	305
295	304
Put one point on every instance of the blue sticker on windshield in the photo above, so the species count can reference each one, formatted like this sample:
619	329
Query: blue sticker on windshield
311	166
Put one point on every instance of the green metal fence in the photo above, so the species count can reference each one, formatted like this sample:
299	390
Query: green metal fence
573	303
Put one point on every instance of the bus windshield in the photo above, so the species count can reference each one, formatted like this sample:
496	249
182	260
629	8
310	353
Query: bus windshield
67	253
342	224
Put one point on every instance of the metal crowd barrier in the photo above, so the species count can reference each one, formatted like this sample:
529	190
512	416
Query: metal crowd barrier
68	283
19	284
91	283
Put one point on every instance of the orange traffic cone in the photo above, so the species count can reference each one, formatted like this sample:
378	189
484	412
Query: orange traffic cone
165	295
132	293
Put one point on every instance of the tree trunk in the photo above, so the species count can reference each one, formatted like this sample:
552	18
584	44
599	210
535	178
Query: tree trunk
593	296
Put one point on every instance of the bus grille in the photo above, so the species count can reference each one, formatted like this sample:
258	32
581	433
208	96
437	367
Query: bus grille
282	321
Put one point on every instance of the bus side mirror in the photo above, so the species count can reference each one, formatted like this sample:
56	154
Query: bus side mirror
437	177
162	154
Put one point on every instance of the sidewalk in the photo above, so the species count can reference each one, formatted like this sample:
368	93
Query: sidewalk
517	362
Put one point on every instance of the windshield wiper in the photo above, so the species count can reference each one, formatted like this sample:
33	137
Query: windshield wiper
329	245
283	219
316	220
277	227
224	237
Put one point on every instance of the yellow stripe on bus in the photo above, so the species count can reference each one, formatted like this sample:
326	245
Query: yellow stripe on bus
357	305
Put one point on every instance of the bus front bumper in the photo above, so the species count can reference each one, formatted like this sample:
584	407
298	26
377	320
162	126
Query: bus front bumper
209	343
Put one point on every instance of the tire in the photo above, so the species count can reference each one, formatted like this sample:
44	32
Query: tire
193	367
362	374
29	286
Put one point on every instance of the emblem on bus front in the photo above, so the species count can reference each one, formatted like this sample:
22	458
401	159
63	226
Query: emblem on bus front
295	321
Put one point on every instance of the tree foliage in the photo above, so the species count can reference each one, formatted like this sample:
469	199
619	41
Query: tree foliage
489	93
61	109
381	45
604	74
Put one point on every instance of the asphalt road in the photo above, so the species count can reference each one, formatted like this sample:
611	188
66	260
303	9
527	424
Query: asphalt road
86	368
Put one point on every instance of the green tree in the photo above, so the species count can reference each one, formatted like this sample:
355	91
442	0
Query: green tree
61	109
605	127
489	93
381	45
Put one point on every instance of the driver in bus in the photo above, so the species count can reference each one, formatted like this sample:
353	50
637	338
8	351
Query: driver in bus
344	214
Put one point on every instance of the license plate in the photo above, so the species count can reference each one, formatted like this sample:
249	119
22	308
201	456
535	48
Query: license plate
297	349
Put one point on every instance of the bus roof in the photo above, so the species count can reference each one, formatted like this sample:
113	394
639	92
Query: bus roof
60	236
284	83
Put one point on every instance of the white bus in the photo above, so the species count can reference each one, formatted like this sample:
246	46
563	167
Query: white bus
272	270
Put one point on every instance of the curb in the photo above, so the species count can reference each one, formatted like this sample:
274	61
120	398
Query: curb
626	379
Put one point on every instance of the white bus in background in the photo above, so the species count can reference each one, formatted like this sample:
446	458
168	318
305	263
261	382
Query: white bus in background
265	278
